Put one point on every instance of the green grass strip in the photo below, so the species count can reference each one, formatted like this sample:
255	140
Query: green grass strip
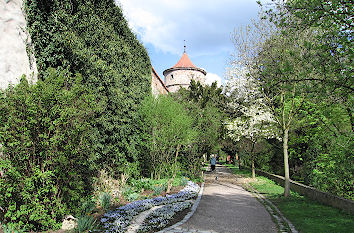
305	214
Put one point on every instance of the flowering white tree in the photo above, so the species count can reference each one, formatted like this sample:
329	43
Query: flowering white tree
254	121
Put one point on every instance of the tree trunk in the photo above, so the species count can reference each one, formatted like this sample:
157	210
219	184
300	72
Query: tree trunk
239	162
252	157
174	172
286	163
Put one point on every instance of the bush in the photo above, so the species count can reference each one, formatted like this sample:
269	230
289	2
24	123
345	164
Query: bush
87	207
85	224
45	150
133	197
183	181
158	189
140	184
105	201
9	229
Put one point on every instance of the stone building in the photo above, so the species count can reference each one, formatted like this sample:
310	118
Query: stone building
157	85
181	74
14	45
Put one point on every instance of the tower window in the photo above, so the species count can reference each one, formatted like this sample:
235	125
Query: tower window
171	76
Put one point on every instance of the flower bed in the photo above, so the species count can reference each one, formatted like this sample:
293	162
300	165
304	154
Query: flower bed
161	217
119	219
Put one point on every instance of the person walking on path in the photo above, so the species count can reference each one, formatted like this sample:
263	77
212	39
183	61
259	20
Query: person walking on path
226	207
212	162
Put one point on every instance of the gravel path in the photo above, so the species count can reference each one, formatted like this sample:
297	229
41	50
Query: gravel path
227	207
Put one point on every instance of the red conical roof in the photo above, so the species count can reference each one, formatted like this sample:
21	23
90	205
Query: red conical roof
184	62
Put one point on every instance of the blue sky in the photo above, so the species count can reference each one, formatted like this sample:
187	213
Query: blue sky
206	25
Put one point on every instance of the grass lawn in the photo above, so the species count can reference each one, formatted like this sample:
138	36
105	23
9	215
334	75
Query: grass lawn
305	214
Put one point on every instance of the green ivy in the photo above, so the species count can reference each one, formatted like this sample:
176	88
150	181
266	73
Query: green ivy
81	116
46	152
93	38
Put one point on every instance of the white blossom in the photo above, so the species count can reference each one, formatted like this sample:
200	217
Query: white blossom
255	120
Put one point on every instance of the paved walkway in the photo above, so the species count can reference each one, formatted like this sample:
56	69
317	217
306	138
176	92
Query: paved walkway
226	207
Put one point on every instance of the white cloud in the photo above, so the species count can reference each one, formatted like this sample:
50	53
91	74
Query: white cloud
210	78
204	24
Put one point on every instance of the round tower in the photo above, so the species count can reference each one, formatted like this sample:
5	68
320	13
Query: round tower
181	74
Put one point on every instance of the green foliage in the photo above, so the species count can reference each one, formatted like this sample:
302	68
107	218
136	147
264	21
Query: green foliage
158	189
207	107
79	118
133	197
45	168
85	224
183	181
87	207
140	184
304	63
105	200
92	38
9	229
169	128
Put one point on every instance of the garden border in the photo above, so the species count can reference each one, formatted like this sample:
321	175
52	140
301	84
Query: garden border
189	215
282	222
312	193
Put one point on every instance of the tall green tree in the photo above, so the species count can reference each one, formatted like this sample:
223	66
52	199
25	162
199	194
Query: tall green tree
330	60
207	105
274	60
170	128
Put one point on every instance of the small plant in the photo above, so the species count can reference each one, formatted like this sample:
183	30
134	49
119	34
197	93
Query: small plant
133	196
10	229
183	181
140	184
87	207
105	201
85	224
116	200
158	189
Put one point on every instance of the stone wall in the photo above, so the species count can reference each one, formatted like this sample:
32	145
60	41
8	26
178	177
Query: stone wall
177	78
14	42
157	85
312	193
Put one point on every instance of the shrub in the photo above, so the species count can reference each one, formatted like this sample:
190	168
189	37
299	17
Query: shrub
158	189
105	201
183	181
140	184
133	196
85	224
9	229
87	207
45	151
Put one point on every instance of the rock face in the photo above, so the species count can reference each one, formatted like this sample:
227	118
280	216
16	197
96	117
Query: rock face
14	42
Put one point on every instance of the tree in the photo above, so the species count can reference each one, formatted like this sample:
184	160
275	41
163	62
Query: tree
207	106
170	129
273	59
301	54
255	121
323	35
331	46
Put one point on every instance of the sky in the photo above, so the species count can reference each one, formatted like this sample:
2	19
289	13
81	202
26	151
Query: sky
206	27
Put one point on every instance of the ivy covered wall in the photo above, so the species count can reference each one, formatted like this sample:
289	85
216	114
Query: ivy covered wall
92	38
81	116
